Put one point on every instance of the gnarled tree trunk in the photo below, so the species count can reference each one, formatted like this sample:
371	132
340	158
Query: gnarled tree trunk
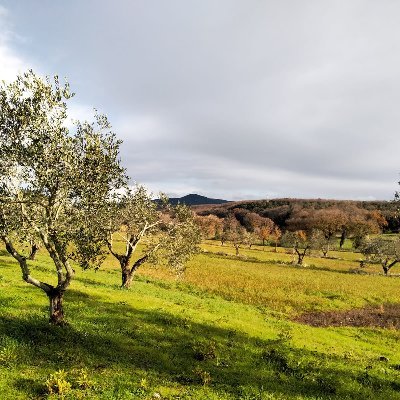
386	268
300	256
54	294
56	309
128	273
127	278
34	250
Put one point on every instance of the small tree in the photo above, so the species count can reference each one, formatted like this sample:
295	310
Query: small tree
264	229
384	251
301	242
358	223
35	247
234	232
249	238
171	237
238	237
320	241
54	183
210	226
229	224
276	234
329	221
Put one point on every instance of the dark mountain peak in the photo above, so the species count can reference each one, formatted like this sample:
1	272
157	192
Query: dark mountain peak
194	199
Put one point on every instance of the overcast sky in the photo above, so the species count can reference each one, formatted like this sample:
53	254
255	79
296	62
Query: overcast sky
229	99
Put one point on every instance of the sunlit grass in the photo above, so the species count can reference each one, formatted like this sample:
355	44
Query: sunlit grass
269	279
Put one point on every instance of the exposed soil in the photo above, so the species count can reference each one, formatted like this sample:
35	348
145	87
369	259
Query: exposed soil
384	316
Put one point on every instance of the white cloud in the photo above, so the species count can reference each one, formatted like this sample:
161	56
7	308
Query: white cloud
11	63
141	128
78	112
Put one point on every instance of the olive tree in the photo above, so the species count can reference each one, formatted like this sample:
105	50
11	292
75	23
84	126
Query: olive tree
234	232
384	251
55	182
301	242
166	234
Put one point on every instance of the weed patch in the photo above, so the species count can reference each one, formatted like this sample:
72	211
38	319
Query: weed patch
384	316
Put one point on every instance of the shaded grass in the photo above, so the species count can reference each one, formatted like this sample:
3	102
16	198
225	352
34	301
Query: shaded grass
163	348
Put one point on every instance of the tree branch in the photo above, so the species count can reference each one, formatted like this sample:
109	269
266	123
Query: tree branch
26	275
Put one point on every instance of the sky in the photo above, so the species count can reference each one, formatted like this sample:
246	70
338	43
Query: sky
231	99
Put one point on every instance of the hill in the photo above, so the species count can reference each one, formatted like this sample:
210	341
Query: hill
195	199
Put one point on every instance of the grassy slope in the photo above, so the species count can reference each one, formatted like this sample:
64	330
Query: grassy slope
222	332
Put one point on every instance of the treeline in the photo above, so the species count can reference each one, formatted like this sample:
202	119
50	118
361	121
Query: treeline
307	229
283	211
348	221
240	227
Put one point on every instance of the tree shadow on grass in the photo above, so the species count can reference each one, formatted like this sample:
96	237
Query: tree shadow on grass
175	349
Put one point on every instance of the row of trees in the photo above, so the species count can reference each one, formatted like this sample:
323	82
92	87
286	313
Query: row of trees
66	191
347	221
240	227
317	229
341	218
308	230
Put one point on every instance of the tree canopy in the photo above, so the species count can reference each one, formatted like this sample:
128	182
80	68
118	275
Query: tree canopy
54	182
167	233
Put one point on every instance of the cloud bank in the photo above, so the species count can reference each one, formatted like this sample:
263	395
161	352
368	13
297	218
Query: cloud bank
232	99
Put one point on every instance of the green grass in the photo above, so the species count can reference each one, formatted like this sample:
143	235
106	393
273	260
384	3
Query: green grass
223	331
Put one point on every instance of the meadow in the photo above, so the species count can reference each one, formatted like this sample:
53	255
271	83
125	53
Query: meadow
227	329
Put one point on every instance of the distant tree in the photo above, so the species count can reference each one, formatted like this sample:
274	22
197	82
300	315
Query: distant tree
241	215
249	238
300	219
210	226
252	222
238	237
35	247
360	222
384	251
363	223
319	241
171	237
229	224
278	214
234	232
329	221
301	242
54	182
276	234
264	229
